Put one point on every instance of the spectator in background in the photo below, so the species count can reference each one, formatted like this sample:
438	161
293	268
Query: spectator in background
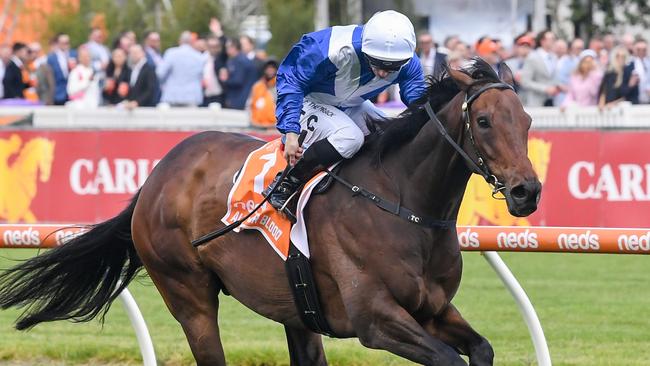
217	31
609	42
641	62
463	50
118	76
584	81
60	61
596	44
181	74
13	82
124	41
455	60
627	41
83	82
560	48
238	76
432	61
488	50
619	82
263	97
522	47
152	48
199	45
143	82
99	54
248	48
213	92
45	84
566	64
5	56
538	85
449	44
502	52
38	56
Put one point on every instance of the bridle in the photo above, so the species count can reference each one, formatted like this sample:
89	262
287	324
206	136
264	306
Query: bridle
479	166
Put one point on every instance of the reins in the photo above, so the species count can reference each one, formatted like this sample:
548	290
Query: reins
478	167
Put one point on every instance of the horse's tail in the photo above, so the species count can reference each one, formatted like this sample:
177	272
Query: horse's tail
77	280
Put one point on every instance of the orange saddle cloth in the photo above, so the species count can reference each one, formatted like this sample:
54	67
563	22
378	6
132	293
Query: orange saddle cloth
261	166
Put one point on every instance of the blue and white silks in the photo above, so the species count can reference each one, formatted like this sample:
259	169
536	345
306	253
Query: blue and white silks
329	68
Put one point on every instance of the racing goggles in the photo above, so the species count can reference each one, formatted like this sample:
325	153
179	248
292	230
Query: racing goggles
390	66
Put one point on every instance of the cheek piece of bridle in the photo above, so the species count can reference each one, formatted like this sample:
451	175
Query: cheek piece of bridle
479	166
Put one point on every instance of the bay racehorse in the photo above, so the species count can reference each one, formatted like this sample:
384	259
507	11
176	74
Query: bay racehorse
382	279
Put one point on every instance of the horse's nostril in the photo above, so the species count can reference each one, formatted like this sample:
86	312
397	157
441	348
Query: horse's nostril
519	192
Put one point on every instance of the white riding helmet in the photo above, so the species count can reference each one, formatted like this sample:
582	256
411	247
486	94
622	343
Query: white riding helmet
389	37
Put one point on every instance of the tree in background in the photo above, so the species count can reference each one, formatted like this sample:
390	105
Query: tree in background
616	13
65	18
169	18
288	21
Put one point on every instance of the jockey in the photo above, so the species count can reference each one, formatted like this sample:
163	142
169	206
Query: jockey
324	85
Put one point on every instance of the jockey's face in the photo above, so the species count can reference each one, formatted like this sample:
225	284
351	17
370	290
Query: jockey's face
382	74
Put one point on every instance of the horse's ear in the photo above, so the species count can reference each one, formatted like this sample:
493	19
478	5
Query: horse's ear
463	80
505	74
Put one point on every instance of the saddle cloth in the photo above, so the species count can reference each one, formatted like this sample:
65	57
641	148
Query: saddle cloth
258	172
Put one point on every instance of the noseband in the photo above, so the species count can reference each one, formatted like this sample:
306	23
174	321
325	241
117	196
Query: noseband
479	166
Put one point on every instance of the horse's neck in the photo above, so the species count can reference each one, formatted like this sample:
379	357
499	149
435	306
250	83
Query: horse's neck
434	176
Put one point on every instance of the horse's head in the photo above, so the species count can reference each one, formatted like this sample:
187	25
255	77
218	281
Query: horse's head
498	135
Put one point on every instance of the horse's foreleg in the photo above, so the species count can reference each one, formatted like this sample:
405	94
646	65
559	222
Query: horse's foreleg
384	324
454	330
305	347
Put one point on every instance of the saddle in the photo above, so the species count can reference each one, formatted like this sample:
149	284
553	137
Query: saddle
257	173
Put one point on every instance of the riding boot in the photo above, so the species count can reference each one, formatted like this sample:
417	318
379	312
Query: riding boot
318	156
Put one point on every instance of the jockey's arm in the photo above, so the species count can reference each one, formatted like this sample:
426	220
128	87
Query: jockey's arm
296	73
411	81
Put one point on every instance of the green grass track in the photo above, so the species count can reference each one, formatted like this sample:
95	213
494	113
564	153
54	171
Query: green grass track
595	310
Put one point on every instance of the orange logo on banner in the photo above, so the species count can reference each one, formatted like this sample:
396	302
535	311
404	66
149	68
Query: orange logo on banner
19	180
258	172
479	208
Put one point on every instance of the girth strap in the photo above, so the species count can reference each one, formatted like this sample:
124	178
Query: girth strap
394	208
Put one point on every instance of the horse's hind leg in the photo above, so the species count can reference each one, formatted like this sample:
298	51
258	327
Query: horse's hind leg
189	290
305	347
454	330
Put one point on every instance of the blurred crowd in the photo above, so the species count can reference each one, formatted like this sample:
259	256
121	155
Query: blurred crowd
211	69
550	71
202	70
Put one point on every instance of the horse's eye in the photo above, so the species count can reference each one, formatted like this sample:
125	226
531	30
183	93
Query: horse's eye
483	122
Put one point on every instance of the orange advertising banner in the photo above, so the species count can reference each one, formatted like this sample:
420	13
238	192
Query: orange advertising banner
470	238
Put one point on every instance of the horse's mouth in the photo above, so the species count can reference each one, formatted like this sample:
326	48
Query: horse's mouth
522	199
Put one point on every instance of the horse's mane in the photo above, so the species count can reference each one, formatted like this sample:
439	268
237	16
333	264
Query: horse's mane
389	133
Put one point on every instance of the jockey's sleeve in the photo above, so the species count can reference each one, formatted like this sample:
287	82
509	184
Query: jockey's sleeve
411	81
296	73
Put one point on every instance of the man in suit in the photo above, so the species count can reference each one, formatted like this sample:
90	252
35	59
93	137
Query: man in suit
143	83
59	61
181	73
538	84
238	77
431	60
13	78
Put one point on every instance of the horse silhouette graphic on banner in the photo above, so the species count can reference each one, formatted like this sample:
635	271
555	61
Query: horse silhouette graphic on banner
19	179
479	208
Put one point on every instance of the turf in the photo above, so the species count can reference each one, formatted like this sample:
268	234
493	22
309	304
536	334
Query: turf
594	309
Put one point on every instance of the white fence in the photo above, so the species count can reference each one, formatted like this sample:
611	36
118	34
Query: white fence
623	116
